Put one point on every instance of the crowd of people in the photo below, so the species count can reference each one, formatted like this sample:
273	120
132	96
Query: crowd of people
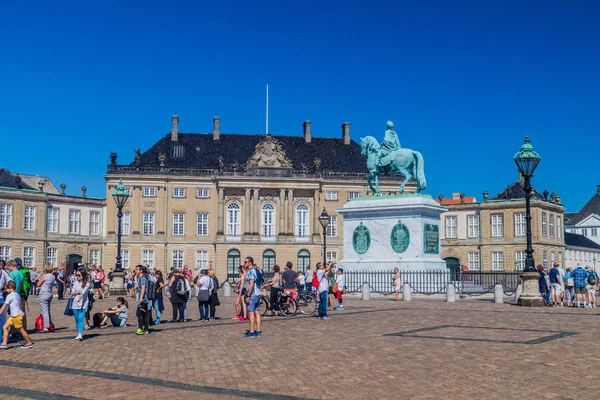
575	287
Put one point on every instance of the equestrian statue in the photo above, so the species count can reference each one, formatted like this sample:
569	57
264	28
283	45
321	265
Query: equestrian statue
390	157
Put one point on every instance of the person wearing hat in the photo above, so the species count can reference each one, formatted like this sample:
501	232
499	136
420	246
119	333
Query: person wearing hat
339	281
592	281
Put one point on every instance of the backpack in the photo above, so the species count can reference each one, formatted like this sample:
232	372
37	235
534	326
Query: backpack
180	288
315	281
592	279
26	284
259	278
151	290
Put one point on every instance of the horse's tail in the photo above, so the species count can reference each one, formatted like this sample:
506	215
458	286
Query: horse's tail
420	171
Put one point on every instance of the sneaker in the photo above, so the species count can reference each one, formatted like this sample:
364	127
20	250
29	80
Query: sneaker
211	319
146	331
27	346
235	317
79	337
341	307
87	328
250	335
257	334
3	346
157	322
326	317
44	331
139	331
240	318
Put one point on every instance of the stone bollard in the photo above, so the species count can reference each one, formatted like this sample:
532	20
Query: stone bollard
366	292
450	293
498	294
518	292
406	292
226	289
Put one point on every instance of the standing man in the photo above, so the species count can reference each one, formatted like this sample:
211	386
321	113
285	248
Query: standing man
60	279
255	280
580	280
308	277
592	281
290	279
555	286
323	289
143	310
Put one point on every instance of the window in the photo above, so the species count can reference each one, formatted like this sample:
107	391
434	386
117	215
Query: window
594	230
52	256
201	259
29	218
558	228
177	258
5	216
179	192
203	193
552	258
125	258
126	224
148	258
520	257
560	258
149	192
353	195
520	224
332	227
94	223
233	262
303	260
74	217
551	225
545	254
128	190
451	227
473	226
497	261
268	260
302	218
178	151
233	220
95	257
28	257
473	261
148	224
497	225
268	220
5	253
331	256
544	228
178	224
53	220
331	196
584	231
202	224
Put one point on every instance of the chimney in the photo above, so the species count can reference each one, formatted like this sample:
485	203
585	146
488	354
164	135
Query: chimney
346	132
455	195
598	190
175	128
307	137
216	128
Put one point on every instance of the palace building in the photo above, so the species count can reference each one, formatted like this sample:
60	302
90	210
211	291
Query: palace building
211	199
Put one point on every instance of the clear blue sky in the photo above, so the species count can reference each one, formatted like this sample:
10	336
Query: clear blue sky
463	82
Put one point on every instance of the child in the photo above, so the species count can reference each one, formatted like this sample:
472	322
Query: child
301	281
13	303
340	288
117	315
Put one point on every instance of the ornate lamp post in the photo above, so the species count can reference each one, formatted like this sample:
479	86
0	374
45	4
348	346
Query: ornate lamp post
324	221
527	160
120	195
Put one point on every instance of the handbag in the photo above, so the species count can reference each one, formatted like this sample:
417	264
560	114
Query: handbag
335	287
68	309
203	295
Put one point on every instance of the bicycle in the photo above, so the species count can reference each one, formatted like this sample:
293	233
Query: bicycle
105	290
307	303
288	307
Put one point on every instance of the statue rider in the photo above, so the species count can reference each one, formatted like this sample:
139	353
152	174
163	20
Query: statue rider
389	145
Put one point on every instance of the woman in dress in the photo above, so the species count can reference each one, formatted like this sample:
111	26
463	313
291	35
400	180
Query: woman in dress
44	286
80	296
396	282
100	276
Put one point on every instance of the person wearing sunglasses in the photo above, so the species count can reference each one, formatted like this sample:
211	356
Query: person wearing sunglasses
80	300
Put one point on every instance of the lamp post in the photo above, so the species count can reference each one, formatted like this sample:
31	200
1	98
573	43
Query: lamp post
594	260
120	195
527	160
324	221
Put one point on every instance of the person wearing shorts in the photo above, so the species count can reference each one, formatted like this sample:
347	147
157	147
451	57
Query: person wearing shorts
580	280
555	286
253	299
13	304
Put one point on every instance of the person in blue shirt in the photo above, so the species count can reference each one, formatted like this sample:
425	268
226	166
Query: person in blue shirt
555	286
254	279
143	311
580	281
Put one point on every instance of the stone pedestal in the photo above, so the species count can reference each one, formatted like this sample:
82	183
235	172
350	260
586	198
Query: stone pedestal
530	296
118	288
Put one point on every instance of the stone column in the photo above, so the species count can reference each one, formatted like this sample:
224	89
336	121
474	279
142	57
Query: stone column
247	200
256	215
291	212
221	211
316	212
281	212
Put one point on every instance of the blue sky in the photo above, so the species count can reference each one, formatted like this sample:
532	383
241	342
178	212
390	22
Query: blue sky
464	82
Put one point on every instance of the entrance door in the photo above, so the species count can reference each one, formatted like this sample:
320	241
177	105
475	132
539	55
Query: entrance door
72	261
453	264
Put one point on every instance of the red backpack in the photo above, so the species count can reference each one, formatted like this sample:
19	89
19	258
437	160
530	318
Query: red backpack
315	281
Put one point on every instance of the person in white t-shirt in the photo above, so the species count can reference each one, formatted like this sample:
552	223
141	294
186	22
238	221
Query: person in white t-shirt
323	289
13	304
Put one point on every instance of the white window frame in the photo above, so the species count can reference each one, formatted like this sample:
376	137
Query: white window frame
94	223
125	224
95	257
53	215
203	193
520	257
178	224
6	215
234	220
584	231
267	217
520	224
29	218
202	224
331	256
331	196
544	224
473	226
497	225
179	193
594	231
545	258
149	191
551	225
497	261
332	228
353	195
302	225
125	258
451	232
558	226
52	256
148	220
474	261
148	257
74	222
178	258
29	257
129	190
201	259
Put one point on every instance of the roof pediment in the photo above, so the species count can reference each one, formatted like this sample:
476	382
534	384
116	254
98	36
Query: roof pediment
590	220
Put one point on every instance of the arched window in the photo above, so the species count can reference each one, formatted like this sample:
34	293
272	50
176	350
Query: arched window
303	260
268	261
268	221
302	222
233	262
233	221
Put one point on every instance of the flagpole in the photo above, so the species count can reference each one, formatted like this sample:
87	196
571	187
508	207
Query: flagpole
267	116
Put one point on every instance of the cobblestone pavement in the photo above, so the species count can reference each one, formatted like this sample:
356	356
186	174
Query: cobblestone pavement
373	349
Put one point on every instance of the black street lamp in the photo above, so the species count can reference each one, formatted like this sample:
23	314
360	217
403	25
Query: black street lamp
120	195
527	160
324	221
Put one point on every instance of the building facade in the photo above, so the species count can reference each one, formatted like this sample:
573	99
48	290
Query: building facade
491	235
581	251
41	225
211	199
586	222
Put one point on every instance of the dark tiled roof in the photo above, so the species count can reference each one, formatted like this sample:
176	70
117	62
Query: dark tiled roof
201	151
569	216
591	207
516	191
572	239
7	179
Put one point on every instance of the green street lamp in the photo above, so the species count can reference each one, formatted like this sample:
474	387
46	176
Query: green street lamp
324	221
120	194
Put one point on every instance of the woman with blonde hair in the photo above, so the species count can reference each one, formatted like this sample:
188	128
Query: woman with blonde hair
396	283
44	285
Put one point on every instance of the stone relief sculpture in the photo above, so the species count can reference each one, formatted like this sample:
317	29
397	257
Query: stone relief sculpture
269	153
